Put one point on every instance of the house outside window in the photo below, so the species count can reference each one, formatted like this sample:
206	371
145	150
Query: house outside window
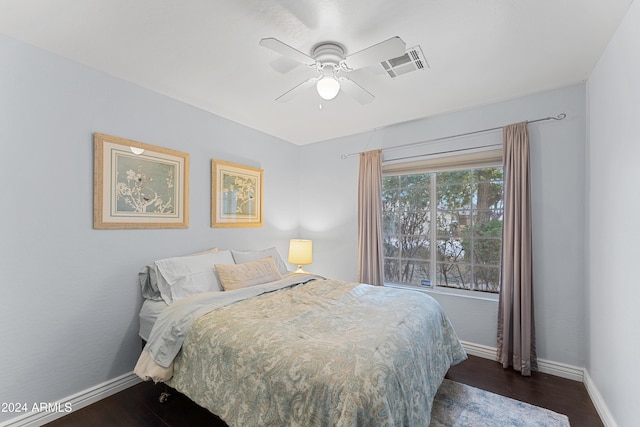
442	229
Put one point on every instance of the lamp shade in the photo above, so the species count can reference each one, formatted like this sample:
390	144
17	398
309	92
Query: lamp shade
300	251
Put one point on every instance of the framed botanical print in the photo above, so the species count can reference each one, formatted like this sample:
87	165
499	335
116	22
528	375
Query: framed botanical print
138	185
236	195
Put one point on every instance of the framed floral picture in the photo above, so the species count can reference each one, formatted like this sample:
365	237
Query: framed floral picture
236	195
138	185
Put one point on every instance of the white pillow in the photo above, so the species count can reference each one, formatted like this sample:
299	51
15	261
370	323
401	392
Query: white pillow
181	277
248	274
247	256
148	278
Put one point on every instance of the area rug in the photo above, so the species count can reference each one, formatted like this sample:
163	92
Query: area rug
460	405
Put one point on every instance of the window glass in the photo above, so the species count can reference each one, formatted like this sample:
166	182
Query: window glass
459	214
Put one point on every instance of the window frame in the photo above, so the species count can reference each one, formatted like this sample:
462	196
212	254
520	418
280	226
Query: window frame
431	165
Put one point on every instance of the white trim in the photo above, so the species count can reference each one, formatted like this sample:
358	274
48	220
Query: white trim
480	350
598	401
561	370
76	401
546	366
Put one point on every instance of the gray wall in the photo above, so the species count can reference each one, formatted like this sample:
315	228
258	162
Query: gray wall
613	206
328	208
68	311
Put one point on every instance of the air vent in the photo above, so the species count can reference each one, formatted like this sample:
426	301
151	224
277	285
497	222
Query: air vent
412	60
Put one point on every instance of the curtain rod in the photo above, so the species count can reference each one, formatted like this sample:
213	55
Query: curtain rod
560	116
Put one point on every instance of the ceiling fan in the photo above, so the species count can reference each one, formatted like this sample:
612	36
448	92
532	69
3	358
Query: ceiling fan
330	62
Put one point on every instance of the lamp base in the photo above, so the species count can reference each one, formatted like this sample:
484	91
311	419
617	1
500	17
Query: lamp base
300	270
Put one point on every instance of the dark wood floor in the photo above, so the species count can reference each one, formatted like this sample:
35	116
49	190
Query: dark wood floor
139	405
547	391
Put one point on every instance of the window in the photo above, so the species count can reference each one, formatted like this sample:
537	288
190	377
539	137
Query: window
444	229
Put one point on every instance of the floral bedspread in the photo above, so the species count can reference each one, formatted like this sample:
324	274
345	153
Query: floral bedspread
325	353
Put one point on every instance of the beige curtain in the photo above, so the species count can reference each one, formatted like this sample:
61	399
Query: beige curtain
516	332
370	257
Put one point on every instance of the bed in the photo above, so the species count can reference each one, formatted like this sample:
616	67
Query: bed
297	349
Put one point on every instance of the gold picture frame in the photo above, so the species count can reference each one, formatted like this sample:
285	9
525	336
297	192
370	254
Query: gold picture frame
138	185
236	195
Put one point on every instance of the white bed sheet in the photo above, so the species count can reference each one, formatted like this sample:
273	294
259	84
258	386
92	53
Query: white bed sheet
149	312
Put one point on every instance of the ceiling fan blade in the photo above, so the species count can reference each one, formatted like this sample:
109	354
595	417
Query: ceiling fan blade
286	50
284	65
292	93
390	48
355	91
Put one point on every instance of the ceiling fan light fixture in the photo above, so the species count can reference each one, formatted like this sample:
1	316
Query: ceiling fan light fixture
328	87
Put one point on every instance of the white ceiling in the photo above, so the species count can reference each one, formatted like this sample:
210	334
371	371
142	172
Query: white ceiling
206	53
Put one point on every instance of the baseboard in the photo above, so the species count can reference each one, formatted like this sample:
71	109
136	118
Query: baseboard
480	350
598	401
546	366
561	370
79	400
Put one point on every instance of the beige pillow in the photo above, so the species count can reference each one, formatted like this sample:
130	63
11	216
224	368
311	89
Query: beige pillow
236	276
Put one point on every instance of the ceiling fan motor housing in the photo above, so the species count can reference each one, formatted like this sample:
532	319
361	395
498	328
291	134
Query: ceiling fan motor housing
328	53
